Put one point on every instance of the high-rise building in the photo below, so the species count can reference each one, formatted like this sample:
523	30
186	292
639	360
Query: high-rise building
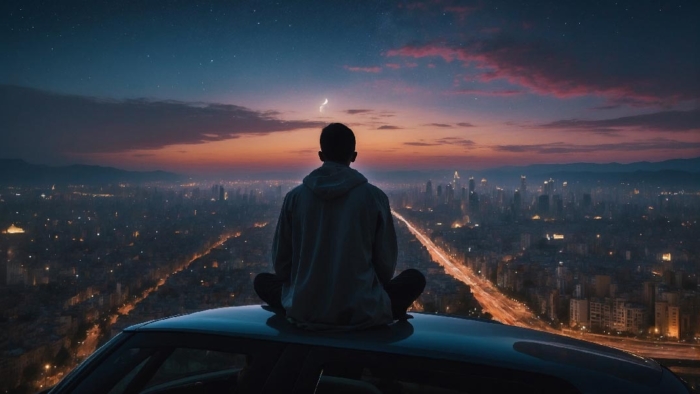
548	187
472	185
222	194
429	188
601	285
473	202
517	201
587	201
661	317
543	204
523	184
674	322
578	312
650	299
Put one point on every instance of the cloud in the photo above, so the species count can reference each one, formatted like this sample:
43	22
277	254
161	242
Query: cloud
557	70
460	11
389	127
668	121
304	151
438	125
419	144
492	93
632	146
459	141
41	125
465	124
357	111
612	106
393	66
375	69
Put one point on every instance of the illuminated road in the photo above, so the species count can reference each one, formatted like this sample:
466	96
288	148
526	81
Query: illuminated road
88	346
511	312
502	308
126	308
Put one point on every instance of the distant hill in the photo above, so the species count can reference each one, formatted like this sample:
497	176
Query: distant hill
19	172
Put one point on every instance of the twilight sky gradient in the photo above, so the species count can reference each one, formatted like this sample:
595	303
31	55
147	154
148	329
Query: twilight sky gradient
196	87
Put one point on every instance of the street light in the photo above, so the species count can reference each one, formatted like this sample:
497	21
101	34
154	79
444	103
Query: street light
46	374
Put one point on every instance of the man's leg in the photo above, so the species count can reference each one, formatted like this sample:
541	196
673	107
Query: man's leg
405	288
269	289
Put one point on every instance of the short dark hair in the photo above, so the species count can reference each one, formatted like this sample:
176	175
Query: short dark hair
337	142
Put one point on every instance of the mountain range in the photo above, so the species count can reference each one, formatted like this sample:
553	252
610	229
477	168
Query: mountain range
686	171
19	172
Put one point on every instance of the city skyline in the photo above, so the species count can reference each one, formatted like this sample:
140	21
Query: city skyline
208	87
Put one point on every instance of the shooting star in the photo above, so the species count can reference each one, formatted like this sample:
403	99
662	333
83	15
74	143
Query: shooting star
320	109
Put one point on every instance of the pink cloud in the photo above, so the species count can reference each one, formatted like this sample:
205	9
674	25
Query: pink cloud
393	66
375	69
549	70
460	11
493	93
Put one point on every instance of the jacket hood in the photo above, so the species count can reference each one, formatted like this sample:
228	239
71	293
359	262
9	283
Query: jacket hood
333	180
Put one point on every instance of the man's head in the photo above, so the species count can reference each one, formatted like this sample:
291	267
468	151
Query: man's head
337	144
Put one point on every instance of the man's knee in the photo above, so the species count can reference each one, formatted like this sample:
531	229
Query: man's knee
415	277
262	281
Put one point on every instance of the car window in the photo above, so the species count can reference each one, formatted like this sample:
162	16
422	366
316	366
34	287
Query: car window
341	370
183	363
169	363
121	386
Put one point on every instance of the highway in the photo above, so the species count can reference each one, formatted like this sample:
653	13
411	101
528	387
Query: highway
512	312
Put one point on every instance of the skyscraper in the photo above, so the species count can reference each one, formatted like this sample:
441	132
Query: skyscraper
429	188
543	205
472	185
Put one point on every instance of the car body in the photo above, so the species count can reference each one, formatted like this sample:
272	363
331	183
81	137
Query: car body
254	349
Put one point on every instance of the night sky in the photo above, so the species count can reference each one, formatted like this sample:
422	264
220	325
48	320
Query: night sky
199	87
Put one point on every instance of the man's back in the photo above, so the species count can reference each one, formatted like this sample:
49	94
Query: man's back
336	243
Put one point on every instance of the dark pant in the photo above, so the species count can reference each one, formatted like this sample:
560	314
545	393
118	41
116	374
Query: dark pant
405	288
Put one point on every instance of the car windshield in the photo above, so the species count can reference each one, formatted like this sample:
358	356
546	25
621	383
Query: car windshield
541	162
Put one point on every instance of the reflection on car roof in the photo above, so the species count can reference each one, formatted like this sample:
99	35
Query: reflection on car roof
435	336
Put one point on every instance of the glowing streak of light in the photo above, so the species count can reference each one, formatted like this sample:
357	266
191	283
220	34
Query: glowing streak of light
320	109
513	313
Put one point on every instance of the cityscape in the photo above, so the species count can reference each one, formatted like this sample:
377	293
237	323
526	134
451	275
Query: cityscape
614	264
541	162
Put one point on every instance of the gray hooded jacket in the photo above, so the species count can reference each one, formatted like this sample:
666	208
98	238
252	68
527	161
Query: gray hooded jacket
335	245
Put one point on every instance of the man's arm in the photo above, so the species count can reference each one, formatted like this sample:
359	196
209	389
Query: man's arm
282	244
384	250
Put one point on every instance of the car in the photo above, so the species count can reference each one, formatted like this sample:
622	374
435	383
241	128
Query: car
254	349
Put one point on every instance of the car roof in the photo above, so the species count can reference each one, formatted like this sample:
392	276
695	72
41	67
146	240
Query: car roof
434	336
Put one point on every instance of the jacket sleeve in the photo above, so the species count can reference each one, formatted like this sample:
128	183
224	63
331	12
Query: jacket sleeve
282	244
384	250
